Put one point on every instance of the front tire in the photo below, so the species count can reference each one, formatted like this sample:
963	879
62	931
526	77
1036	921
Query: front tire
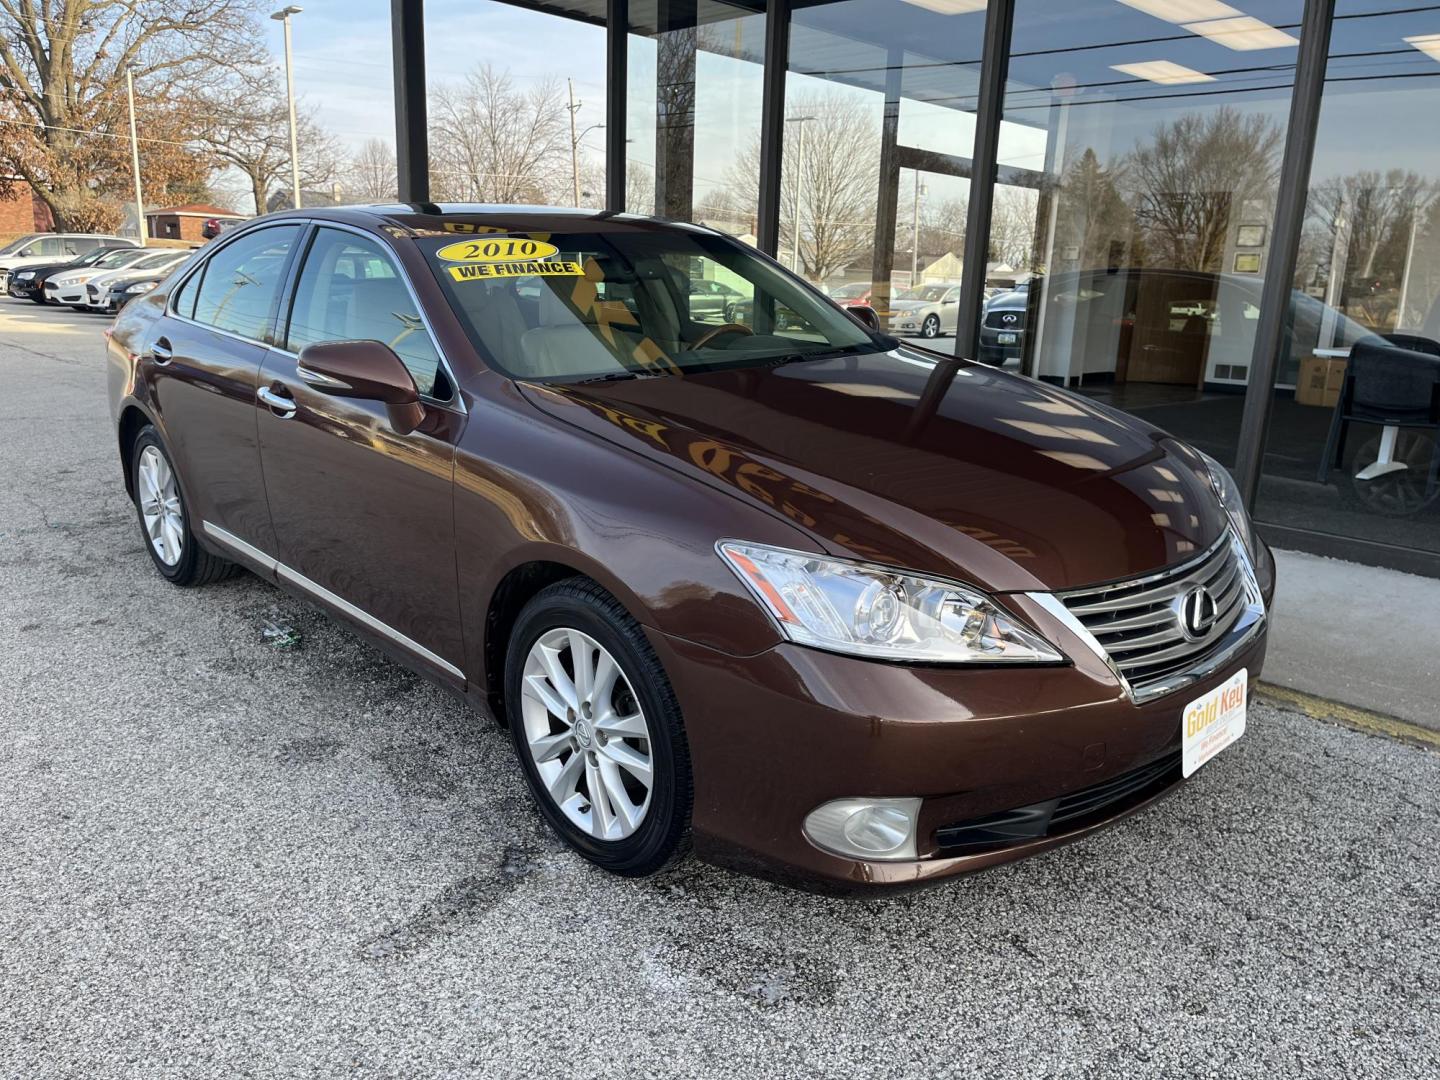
598	730
930	328
165	520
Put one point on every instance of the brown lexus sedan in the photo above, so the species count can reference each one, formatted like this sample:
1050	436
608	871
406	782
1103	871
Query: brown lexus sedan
825	607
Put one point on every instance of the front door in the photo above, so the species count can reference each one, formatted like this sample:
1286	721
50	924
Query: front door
363	516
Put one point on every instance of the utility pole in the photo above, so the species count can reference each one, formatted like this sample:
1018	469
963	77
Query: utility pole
799	188
574	144
142	230
915	233
283	16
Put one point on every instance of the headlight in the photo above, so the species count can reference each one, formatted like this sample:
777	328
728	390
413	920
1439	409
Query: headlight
1228	492
25	276
141	287
874	611
79	279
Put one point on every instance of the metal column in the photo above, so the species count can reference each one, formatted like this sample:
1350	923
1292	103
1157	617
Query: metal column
994	64
617	57
772	123
1284	244
412	142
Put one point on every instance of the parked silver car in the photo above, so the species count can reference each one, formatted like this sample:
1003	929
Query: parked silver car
927	311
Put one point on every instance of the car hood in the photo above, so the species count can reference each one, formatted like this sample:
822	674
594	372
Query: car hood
910	305
944	467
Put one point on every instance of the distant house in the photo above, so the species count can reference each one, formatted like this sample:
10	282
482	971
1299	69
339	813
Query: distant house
185	222
22	211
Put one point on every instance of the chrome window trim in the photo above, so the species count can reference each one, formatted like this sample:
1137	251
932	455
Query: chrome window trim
1252	620
293	577
454	401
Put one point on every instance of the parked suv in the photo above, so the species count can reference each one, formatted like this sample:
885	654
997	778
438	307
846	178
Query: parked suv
39	248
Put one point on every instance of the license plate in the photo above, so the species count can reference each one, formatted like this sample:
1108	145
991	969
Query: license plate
1005	338
1212	722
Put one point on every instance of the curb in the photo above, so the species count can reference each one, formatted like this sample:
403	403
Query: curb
1372	723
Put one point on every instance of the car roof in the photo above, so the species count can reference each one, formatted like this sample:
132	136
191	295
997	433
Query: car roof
445	219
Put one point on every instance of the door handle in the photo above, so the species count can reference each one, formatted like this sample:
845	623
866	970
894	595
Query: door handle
160	351
282	404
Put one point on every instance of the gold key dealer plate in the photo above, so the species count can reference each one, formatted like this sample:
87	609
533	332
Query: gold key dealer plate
1213	721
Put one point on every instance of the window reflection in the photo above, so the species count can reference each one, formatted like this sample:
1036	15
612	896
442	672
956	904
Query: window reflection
1352	447
1140	150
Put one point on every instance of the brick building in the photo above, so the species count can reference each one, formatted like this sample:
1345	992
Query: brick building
22	211
185	222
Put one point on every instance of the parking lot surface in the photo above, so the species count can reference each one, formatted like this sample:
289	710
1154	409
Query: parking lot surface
231	854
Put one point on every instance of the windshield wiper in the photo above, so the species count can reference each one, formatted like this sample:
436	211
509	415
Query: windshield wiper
820	354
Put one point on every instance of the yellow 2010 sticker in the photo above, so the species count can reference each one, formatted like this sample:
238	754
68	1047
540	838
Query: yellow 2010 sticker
489	271
503	249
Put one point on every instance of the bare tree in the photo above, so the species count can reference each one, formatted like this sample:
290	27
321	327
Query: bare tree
830	187
246	124
62	90
1194	176
493	142
1012	225
372	176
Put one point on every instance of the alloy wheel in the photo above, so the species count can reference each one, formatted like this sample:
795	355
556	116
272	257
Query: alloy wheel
587	734
159	497
931	328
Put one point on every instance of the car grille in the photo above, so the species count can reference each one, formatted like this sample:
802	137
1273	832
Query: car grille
996	320
1138	621
1065	814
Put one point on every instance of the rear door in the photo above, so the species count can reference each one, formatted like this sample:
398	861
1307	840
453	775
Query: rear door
204	357
363	516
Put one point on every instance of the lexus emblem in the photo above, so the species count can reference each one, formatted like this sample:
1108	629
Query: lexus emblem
1196	612
1008	320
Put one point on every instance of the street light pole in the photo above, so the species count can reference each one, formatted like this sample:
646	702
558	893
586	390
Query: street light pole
141	230
799	188
283	16
915	232
574	144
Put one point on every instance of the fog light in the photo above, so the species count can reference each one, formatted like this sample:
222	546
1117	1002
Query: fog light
865	828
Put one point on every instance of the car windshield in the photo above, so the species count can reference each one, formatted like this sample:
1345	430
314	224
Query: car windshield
929	294
123	257
624	303
15	245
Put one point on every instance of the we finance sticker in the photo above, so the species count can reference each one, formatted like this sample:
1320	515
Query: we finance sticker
499	249
532	268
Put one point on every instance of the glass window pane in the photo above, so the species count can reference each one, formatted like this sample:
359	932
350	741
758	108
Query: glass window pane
879	130
241	282
350	290
693	114
1138	163
1352	442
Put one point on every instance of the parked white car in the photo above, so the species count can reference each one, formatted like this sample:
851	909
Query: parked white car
928	311
38	249
69	287
97	289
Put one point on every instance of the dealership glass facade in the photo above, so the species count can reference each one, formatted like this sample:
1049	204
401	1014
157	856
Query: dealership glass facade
1141	245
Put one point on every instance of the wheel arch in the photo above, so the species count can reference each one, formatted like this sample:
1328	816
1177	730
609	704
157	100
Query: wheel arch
514	589
133	420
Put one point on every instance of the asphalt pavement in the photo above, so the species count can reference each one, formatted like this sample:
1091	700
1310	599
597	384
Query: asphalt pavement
225	856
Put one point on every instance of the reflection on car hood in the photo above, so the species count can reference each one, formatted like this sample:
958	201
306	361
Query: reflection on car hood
948	468
910	305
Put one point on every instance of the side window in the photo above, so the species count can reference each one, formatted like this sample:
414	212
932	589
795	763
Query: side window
241	281
351	290
50	245
185	296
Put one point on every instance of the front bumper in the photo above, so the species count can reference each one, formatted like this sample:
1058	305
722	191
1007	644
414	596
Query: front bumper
775	735
69	294
21	290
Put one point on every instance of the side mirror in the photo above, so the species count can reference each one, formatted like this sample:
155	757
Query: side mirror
866	315
367	371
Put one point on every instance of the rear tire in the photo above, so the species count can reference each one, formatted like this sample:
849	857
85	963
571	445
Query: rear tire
598	730
165	520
